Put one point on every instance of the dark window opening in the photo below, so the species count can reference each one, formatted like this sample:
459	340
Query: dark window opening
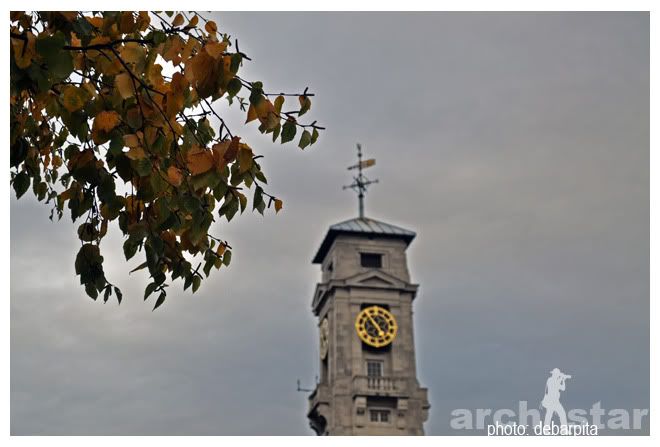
374	368
371	260
379	415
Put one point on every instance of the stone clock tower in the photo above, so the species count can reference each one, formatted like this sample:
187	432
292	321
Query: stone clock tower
368	380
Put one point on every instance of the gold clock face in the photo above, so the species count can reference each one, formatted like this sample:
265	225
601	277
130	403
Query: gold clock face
376	326
324	332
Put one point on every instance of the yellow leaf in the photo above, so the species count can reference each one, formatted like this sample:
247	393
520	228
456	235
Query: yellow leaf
24	51
131	140
178	20
124	85
267	115
136	153
199	160
193	21
211	27
278	205
279	101
215	49
143	20
74	98
174	176
106	121
244	158
132	53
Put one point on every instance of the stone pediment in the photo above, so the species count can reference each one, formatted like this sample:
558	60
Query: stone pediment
375	278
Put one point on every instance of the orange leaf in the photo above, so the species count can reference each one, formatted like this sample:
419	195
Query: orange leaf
131	140
136	153
174	176
252	114
199	160
232	150
219	150
126	23
278	205
106	121
215	49
211	27
178	20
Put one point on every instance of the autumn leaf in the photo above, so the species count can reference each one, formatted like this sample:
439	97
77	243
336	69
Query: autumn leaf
106	120
131	140
24	51
74	98
215	49
124	85
178	20
136	153
251	114
244	158
278	205
211	27
232	149
305	104
199	161
174	176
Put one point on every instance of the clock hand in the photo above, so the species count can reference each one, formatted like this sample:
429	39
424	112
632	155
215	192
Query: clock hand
380	331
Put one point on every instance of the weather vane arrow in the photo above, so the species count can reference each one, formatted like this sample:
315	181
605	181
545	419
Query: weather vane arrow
360	182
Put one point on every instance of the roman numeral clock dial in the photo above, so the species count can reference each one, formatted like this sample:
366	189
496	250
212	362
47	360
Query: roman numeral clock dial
376	326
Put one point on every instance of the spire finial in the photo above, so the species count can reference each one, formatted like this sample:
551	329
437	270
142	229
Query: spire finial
360	182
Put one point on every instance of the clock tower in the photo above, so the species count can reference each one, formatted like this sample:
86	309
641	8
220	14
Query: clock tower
368	381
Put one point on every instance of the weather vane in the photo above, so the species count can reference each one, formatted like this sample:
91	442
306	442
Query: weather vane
360	182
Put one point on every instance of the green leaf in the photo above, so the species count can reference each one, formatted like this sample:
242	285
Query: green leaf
160	300
288	131
119	295
305	139
59	62
196	282
226	258
315	136
130	248
149	290
21	184
108	292
87	232
276	131
258	198
234	86
243	200
90	289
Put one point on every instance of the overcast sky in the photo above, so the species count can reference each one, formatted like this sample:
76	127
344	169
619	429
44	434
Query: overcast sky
515	145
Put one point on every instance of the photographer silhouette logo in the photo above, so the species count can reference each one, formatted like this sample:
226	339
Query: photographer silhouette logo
528	420
555	384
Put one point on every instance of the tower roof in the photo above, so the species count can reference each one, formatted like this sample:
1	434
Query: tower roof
362	226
